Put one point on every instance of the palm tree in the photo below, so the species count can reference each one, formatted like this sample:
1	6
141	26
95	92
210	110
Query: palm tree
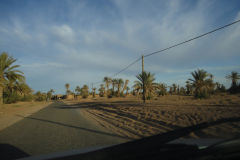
202	83
23	88
52	91
188	88
137	88
107	81
182	91
67	85
94	92
146	83
8	72
171	90
49	94
127	89
234	76
161	89
78	90
174	87
85	91
125	85
40	96
101	90
114	83
119	85
220	87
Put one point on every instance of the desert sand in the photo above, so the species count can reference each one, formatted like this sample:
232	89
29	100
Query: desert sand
131	118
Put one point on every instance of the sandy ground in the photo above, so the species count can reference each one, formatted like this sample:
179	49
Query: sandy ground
9	112
130	117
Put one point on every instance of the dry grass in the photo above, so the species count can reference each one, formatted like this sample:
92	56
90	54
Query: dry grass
20	106
9	112
130	117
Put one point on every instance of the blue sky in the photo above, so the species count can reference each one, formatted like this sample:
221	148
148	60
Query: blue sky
79	42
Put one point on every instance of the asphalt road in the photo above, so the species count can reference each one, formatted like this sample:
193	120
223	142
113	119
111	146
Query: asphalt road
54	129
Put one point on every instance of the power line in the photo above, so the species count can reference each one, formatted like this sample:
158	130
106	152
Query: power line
202	35
96	82
114	75
178	44
126	67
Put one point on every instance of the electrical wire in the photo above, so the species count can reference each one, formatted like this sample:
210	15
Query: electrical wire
175	45
114	75
126	67
202	35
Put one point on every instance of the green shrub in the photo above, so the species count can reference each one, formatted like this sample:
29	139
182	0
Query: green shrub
11	97
84	95
84	91
202	94
122	94
40	96
27	98
101	95
149	97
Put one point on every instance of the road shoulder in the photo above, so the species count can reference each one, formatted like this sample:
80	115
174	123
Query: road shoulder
9	112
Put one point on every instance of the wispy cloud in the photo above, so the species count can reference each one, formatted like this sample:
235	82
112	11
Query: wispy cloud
82	41
64	33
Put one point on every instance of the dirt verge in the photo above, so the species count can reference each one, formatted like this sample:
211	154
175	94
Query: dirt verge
131	118
9	112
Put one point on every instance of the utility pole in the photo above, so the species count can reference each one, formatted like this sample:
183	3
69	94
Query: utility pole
144	92
92	89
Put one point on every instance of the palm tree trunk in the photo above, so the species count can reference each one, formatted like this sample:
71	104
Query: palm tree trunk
125	86
1	95
144	93
126	91
113	88
107	93
118	90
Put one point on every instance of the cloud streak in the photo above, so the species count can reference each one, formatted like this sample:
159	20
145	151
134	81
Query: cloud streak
81	42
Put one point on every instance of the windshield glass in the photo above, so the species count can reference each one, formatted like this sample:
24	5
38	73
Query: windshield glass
90	74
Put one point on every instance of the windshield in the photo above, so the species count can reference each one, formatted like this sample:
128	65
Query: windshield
89	74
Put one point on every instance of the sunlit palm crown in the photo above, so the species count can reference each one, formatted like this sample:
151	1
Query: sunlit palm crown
201	78
234	76
8	71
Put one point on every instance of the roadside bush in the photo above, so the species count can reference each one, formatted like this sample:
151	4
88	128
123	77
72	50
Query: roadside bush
40	96
101	95
202	94
122	95
149	97
11	97
84	96
234	89
27	98
84	91
161	89
220	88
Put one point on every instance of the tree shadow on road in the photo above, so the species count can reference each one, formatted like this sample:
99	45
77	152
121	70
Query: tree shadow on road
104	108
108	109
9	152
112	108
99	104
126	103
76	127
